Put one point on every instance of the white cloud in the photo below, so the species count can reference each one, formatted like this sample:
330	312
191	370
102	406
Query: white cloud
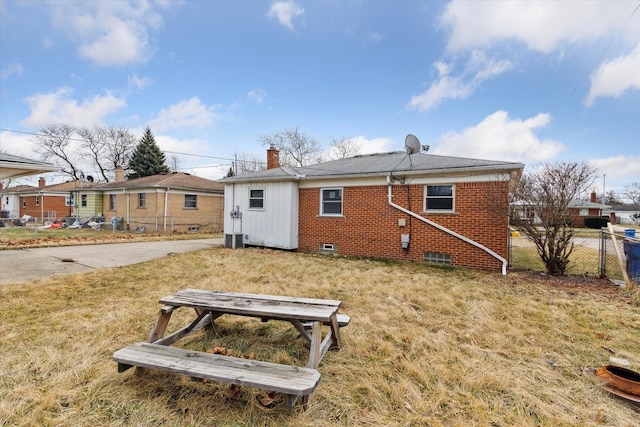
499	137
619	167
185	114
13	69
109	32
257	95
138	83
478	69
614	77
285	12
375	145
541	25
59	107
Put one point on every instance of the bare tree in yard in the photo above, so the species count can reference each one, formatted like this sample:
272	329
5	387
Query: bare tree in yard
248	163
57	142
545	196
296	147
343	148
107	147
632	192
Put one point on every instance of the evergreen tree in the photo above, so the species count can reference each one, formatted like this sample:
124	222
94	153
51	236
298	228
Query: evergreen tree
147	159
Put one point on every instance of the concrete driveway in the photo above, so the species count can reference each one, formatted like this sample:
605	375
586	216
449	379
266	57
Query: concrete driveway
22	265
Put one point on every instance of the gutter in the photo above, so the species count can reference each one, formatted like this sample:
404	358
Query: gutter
446	230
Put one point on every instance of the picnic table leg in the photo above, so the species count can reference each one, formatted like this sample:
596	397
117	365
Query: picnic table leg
335	331
161	323
316	345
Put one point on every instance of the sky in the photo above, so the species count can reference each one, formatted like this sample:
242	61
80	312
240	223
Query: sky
531	82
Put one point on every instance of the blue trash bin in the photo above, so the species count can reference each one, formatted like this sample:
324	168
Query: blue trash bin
630	232
632	251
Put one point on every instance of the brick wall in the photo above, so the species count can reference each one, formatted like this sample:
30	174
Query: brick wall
47	204
369	226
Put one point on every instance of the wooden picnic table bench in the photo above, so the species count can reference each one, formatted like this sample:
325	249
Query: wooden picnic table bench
293	381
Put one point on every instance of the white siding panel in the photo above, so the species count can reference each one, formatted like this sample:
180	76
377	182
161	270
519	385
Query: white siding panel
275	226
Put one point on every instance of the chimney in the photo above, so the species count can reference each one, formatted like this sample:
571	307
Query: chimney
593	197
273	158
119	175
41	182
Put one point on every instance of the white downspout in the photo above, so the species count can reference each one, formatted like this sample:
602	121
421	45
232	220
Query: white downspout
446	230
166	202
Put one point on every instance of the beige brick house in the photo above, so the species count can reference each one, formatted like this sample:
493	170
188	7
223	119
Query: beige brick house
171	202
418	207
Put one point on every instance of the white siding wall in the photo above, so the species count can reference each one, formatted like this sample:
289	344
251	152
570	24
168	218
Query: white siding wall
274	226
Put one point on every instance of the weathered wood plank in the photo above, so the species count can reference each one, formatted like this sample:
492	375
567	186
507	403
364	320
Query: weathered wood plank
343	320
263	306
291	380
201	321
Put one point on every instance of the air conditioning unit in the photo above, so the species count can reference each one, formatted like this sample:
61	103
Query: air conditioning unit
234	241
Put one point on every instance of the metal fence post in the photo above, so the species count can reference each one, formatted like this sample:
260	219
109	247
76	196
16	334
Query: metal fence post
602	265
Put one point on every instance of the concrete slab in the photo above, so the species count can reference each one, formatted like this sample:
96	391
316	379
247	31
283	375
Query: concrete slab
29	264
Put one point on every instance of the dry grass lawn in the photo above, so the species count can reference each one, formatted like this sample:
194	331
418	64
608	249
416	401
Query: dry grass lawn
426	346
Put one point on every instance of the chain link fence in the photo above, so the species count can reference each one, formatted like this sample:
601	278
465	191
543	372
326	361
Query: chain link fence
141	224
596	253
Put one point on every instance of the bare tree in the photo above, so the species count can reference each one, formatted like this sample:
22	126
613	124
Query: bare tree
57	143
248	163
107	147
174	163
343	148
540	209
296	147
632	192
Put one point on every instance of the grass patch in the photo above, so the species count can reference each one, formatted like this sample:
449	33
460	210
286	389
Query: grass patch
425	346
28	237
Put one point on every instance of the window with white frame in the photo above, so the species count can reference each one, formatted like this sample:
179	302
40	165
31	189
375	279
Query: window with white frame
24	202
331	201
37	200
190	201
256	198
142	200
112	202
439	198
68	201
584	212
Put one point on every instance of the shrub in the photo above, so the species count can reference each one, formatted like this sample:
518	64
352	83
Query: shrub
596	221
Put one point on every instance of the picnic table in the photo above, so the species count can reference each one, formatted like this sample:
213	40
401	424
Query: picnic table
307	315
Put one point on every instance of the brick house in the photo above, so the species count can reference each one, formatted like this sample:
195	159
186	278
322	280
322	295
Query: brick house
45	202
581	209
172	202
417	207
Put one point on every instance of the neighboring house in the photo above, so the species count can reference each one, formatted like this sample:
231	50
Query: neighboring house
578	211
420	207
46	202
176	201
581	209
11	200
624	214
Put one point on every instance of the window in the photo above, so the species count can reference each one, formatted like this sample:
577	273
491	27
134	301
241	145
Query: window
256	199
584	212
438	198
437	258
112	202
68	201
142	200
83	200
37	200
24	202
190	201
331	201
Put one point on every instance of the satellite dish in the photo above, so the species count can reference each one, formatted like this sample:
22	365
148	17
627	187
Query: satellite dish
89	178
411	144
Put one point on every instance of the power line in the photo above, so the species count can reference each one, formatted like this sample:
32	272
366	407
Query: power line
170	152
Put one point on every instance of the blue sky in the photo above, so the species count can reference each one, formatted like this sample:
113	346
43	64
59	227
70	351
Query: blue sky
521	81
